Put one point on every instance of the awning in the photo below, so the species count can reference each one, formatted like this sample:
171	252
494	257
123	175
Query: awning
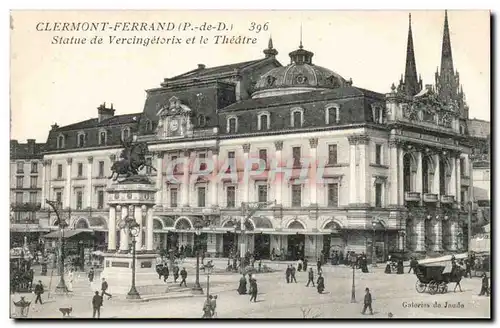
66	235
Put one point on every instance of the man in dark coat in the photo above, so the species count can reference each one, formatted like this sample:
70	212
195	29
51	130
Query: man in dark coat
104	288
484	286
184	275
364	264
288	273
91	274
367	302
176	273
96	305
321	283
413	264
468	267
310	277
242	288
38	292
253	289
165	273
318	266
305	264
292	275
401	268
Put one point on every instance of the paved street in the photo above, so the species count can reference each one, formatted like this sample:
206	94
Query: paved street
277	299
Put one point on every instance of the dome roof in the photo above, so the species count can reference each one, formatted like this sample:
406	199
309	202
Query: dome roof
301	75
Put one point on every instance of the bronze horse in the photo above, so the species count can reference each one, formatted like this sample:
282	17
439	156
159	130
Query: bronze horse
131	162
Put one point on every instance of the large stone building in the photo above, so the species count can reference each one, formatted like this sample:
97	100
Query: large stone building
385	172
25	187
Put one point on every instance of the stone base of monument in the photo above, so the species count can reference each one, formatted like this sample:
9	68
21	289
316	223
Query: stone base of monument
118	273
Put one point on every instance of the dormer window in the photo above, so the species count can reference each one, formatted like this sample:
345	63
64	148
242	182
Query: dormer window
263	121
232	124
125	133
149	125
60	141
81	139
332	114
102	137
378	114
297	117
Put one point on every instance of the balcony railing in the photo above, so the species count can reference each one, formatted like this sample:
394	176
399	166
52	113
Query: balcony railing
192	210
430	198
412	196
26	207
447	199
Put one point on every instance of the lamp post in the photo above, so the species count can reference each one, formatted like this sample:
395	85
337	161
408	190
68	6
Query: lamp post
134	229
61	223
374	254
197	288
353	288
208	270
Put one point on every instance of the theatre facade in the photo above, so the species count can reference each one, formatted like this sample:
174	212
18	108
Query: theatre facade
365	171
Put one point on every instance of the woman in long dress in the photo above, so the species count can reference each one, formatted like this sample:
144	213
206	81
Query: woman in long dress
242	288
70	280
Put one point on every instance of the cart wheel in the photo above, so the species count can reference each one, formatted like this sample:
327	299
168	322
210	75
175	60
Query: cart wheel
433	288
420	287
445	289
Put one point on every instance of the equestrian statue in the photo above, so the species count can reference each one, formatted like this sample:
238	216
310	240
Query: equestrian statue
132	160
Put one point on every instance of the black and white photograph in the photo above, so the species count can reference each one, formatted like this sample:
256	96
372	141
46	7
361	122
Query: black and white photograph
271	164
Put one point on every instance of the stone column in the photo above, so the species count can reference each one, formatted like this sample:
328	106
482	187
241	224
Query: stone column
149	229
364	162
401	189
246	184
435	181
418	180
214	184
313	143
89	181
185	179
352	169
124	237
458	180
438	234
419	230
453	233
44	190
67	186
112	228
393	173
452	186
138	219
159	178
278	180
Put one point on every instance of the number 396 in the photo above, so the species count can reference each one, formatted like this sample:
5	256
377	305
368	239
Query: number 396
254	27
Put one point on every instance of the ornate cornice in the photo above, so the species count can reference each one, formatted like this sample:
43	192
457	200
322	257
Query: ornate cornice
278	145
360	139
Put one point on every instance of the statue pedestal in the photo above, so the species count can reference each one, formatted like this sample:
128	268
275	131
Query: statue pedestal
118	272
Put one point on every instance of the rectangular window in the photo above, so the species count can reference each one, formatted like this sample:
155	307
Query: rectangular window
263	122
20	167
296	195
231	160
462	167
231	196
34	167
33	182
19	197
100	199
33	197
59	171
59	197
19	182
332	115
232	125
101	169
296	156
203	165
333	195
79	199
201	196
80	170
378	195
148	165
378	154
173	197
332	154
263	155
262	193
297	119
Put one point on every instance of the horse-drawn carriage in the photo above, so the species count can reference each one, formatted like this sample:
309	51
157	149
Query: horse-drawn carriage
433	278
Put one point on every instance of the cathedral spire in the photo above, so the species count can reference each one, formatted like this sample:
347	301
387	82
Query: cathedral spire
446	57
270	51
411	83
447	80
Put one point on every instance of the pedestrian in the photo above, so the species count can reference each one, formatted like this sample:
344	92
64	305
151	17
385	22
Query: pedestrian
292	275
38	292
253	289
321	283
305	265
207	308
91	274
104	288
400	269
413	264
387	267
468	267
318	266
242	288
213	305
165	273
184	275
299	265
96	305
484	286
176	273
367	302
310	277
288	273
70	280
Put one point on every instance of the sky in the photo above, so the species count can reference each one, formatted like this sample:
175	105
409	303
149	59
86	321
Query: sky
64	84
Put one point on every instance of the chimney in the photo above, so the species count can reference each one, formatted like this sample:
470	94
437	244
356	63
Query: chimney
31	146
104	113
201	66
54	126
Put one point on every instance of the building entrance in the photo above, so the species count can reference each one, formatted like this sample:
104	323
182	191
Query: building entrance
295	249
262	246
229	244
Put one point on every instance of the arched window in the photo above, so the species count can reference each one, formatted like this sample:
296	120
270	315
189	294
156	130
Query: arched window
81	139
125	133
232	124
297	117
332	114
103	137
263	121
60	141
202	120
427	173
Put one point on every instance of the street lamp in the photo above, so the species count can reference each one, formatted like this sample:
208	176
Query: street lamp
197	288
61	223
134	229
353	288
208	270
374	254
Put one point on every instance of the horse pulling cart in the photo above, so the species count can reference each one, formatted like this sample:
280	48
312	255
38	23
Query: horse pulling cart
433	279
